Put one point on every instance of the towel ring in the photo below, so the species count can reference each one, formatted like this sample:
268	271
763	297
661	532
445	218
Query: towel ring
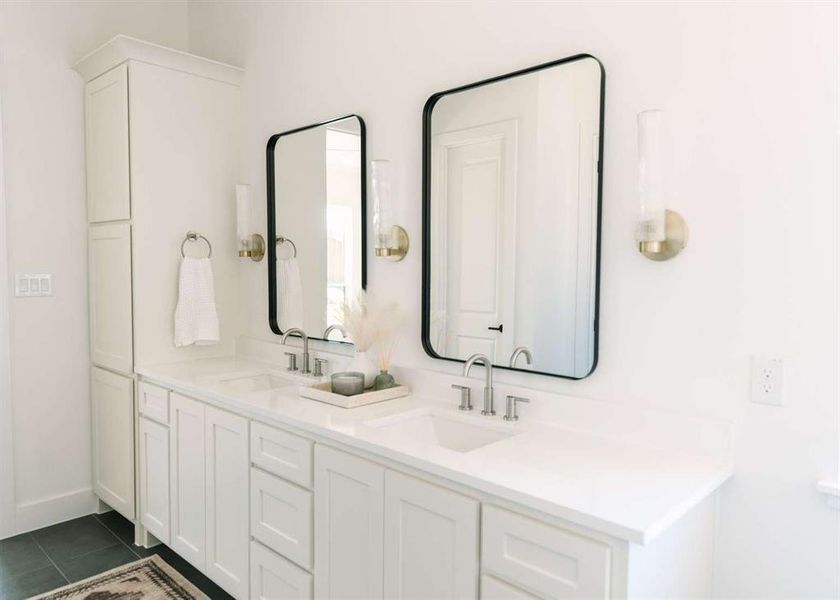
192	236
281	240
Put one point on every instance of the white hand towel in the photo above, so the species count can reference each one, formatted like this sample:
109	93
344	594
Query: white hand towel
289	295
196	321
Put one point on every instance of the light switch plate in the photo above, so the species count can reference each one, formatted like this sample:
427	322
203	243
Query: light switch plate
29	285
767	381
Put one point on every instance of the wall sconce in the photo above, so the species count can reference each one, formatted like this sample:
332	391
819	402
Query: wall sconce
390	240
247	243
661	233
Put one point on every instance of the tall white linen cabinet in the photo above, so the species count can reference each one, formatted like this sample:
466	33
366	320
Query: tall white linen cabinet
161	130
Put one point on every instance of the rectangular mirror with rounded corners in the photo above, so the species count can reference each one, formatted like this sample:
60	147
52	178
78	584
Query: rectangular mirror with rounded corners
512	171
316	219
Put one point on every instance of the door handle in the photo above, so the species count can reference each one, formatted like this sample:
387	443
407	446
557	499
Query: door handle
500	328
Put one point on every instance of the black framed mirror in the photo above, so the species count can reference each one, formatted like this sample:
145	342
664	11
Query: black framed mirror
512	178
316	197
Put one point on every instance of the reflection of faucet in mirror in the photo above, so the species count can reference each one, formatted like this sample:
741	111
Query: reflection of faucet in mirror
331	328
488	381
295	331
520	350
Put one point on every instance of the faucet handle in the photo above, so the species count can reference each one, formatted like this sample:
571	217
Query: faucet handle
466	404
510	407
318	370
292	361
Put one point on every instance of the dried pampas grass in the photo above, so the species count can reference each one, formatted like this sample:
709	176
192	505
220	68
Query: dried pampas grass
370	326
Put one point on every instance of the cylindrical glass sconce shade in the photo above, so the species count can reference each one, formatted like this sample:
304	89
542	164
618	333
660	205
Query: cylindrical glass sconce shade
383	221
651	225
243	218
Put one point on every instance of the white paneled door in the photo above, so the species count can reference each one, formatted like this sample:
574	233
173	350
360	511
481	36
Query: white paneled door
112	405
348	526
106	124
187	478
476	249
154	478
109	280
226	436
431	541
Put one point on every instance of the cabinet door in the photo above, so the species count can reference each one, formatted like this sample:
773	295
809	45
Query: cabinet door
186	462
112	407
227	500
106	147
109	279
431	541
154	478
275	578
348	526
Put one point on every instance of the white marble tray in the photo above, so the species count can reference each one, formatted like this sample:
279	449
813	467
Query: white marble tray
321	392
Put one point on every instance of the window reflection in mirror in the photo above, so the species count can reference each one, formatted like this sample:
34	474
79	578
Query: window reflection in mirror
512	202
316	199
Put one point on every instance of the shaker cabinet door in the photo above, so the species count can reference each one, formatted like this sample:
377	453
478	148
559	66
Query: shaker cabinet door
348	526
109	279
154	478
228	537
106	146
112	405
187	479
431	540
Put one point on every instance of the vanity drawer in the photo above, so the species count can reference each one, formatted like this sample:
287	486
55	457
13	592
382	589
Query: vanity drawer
542	558
496	589
281	453
281	517
274	577
154	402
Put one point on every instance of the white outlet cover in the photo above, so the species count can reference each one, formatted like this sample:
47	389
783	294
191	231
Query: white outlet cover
767	381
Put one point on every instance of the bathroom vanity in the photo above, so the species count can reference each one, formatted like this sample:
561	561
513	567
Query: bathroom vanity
277	496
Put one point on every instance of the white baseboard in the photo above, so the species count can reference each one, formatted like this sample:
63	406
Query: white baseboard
55	509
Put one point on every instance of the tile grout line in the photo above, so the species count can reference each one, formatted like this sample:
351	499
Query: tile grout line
49	558
28	571
112	532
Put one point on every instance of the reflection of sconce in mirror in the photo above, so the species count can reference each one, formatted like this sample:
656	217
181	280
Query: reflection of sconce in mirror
247	243
390	240
661	233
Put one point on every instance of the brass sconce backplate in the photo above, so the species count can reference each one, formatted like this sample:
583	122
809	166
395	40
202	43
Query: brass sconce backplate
676	238
398	253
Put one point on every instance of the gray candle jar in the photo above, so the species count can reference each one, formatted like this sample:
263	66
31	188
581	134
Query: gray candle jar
348	383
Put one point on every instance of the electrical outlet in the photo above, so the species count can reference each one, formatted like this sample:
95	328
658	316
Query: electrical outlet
29	285
767	381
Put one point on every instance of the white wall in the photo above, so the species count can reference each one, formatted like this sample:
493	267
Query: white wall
43	139
751	91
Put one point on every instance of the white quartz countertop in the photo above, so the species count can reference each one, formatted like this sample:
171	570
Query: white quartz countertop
632	491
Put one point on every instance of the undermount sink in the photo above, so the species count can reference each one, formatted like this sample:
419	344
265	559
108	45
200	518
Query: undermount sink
434	429
254	383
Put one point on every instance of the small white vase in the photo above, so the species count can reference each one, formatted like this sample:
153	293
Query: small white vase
362	363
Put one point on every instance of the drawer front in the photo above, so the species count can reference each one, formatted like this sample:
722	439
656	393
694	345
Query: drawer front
273	577
281	517
542	558
496	589
154	402
286	455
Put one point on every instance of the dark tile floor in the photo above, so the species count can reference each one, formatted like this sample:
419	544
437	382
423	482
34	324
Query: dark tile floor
39	561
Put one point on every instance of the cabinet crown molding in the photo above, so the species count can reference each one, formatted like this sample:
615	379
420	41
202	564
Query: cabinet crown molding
122	48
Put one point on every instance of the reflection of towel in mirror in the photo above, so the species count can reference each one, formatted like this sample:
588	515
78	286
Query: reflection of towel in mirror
196	321
289	295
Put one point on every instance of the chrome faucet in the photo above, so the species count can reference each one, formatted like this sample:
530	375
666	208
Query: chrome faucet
520	350
331	328
488	381
294	330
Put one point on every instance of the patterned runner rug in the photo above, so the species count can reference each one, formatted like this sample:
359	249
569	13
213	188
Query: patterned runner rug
147	579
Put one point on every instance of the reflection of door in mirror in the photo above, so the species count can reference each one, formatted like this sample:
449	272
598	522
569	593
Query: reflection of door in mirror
512	201
318	208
